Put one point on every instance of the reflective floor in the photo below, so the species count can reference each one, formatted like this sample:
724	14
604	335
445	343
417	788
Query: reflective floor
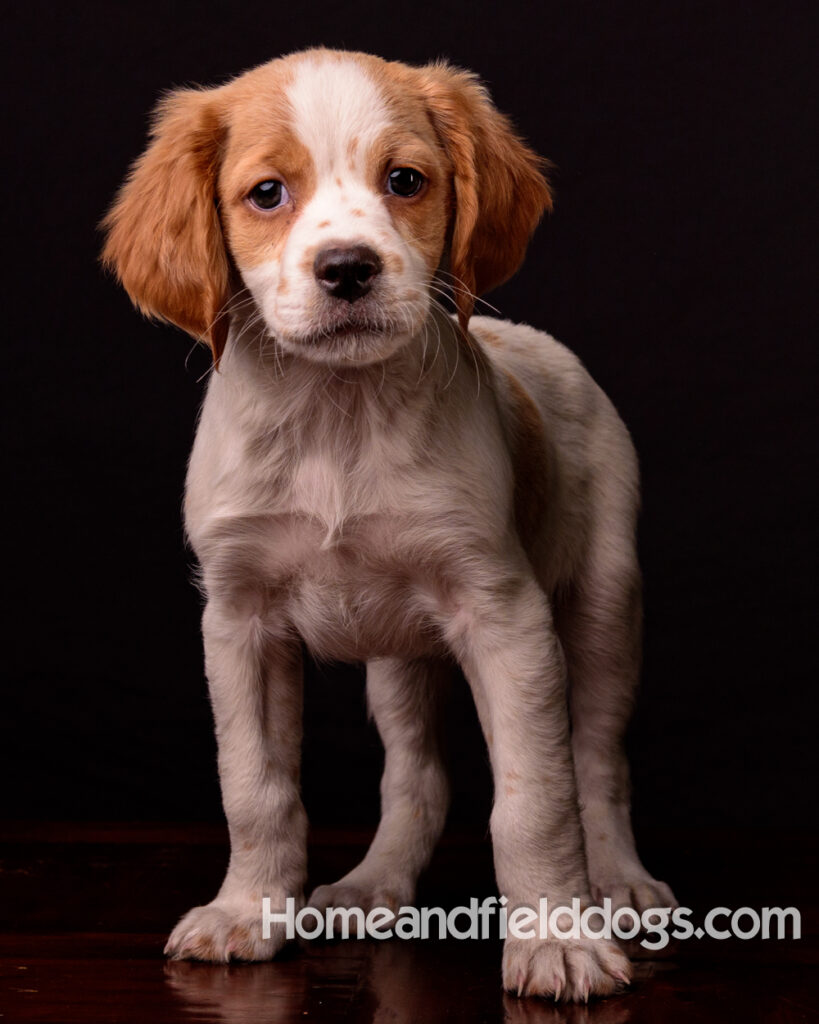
84	913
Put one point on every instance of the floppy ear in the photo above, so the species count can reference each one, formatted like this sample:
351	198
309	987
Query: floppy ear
500	188
164	238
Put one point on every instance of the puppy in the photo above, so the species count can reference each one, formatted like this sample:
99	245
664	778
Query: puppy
377	481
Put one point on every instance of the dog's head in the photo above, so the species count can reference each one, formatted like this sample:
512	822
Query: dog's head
333	186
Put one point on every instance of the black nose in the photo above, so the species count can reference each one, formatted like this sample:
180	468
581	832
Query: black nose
347	273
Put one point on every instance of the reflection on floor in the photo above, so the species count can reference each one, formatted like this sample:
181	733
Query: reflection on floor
84	911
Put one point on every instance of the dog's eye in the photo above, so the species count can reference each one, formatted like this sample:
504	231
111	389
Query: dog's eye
404	181
267	195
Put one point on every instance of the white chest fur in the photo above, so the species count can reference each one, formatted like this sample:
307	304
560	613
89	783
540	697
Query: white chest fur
339	502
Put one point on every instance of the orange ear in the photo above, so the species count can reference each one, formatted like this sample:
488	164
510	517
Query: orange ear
500	188
164	238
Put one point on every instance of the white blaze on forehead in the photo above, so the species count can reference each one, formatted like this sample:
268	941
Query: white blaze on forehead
333	102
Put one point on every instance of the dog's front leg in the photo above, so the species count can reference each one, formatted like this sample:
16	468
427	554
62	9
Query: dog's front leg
255	685
404	698
504	638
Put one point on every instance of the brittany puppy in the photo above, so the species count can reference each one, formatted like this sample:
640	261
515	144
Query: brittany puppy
377	481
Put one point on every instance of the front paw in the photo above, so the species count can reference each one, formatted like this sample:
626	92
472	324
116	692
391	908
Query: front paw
564	969
222	931
364	890
637	890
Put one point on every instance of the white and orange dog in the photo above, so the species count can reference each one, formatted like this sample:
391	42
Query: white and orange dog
381	482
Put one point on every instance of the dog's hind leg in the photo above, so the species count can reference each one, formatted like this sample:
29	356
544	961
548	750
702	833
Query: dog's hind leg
600	626
404	698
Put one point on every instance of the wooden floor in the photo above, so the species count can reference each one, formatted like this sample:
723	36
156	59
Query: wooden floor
84	912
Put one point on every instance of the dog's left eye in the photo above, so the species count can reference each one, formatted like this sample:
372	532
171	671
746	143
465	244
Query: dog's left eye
267	195
404	181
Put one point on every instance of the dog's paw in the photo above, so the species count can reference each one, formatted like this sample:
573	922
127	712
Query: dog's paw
571	970
223	931
639	891
361	890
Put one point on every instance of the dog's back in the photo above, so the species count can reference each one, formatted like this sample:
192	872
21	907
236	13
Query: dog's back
576	474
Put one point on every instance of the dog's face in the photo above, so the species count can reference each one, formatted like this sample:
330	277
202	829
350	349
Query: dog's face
333	186
334	195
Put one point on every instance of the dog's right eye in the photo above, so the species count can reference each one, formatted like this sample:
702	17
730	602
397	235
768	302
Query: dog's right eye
267	195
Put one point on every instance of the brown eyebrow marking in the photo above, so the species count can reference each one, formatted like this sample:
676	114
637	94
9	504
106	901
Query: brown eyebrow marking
357	213
324	224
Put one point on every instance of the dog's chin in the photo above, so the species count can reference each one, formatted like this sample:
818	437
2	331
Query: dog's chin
347	344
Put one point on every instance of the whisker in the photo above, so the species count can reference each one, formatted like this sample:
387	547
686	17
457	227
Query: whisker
456	281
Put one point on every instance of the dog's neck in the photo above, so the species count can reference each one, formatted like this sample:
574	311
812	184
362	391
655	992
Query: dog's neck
309	398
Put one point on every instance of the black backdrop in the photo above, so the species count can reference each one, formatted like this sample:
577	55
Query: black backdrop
675	264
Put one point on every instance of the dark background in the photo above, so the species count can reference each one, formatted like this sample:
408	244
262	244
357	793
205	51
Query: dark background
675	265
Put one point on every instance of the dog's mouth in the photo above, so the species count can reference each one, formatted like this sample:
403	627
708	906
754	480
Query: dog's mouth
352	333
346	329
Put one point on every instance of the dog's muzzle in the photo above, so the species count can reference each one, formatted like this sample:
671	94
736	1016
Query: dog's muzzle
347	273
